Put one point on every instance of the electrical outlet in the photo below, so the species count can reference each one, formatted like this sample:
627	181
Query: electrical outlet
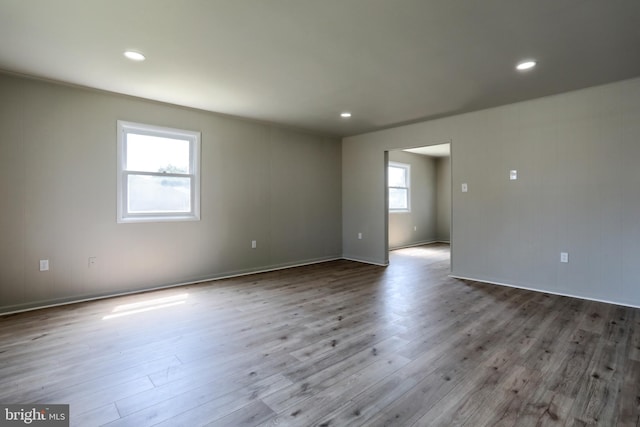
465	187
513	174
254	244
564	257
359	236
44	265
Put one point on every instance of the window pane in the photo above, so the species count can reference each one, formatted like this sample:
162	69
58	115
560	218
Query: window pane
398	198
147	153
148	194
397	177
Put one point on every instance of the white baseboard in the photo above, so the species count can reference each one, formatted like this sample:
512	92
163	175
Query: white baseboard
413	245
65	301
563	294
366	261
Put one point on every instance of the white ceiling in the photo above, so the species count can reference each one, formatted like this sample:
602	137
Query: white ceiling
440	150
301	62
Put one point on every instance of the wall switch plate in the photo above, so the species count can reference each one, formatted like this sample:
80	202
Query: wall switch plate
513	174
359	236
254	244
465	187
44	265
564	257
415	228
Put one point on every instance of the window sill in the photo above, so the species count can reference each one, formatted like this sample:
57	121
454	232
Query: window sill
138	219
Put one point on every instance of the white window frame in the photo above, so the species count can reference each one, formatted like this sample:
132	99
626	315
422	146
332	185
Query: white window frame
407	169
123	215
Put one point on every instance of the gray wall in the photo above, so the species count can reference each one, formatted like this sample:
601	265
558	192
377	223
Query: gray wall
443	199
578	191
423	186
58	192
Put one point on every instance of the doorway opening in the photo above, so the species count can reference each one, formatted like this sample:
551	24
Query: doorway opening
419	202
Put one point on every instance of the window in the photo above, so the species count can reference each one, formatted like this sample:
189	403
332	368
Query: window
158	176
399	197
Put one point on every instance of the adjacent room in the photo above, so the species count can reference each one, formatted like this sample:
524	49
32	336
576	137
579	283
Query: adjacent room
419	202
419	181
335	213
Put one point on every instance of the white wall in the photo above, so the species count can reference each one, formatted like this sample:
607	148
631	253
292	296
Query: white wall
578	191
58	194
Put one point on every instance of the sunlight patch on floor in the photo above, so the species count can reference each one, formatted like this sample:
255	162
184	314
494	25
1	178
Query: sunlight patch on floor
419	251
147	305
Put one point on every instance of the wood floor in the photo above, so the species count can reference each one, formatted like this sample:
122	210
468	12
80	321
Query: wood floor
333	344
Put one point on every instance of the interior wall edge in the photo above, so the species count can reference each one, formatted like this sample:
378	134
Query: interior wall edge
576	191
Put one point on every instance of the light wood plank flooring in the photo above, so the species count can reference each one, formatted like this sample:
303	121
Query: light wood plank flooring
333	344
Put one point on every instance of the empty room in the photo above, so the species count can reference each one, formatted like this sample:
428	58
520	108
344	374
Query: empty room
319	213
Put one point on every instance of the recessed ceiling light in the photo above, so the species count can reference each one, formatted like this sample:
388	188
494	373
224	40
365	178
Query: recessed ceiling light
526	65
345	115
134	56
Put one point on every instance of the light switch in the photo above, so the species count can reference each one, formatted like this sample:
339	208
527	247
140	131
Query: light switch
465	188
513	174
